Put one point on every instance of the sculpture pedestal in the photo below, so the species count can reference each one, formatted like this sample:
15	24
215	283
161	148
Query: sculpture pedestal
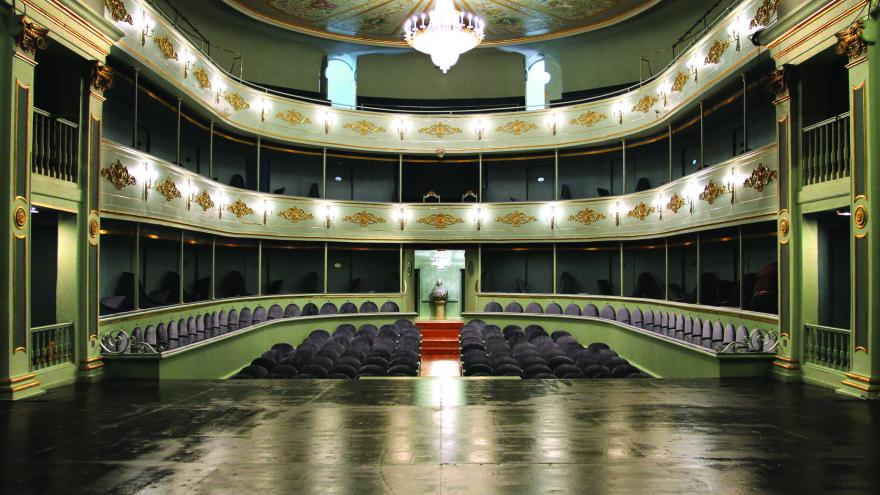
439	310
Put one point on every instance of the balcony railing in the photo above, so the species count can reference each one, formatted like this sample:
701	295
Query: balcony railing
826	150
51	345
56	147
827	346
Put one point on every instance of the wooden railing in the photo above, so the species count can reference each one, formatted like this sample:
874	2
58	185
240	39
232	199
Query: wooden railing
51	345
56	147
826	150
827	346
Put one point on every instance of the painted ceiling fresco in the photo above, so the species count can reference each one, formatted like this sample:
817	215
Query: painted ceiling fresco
381	21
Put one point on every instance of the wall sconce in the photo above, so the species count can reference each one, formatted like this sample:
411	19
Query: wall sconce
663	90
329	215
738	29
553	122
732	179
190	193
401	216
478	217
264	106
480	129
661	204
150	177
694	65
328	121
223	202
551	215
220	86
691	193
264	208
189	59
617	111
146	25
401	127
615	212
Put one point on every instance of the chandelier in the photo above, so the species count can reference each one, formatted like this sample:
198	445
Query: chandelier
444	33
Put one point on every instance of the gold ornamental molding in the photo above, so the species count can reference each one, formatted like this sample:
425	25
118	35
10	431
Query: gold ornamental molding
236	101
588	119
440	130
118	175
364	127
860	217
586	216
712	191
716	51
641	211
783	227
517	127
166	47
676	202
295	215
240	209
761	177
440	220
100	76
850	42
20	217
293	118
516	219
204	200
680	80
765	12
94	229
645	104
364	218
33	37
779	83
168	189
118	12
202	78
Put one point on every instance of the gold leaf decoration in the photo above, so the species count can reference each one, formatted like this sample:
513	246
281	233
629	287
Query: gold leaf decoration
850	41
516	219
293	117
236	101
295	215
166	47
364	127
588	119
680	80
364	218
586	216
761	177
517	127
239	208
764	14
204	200
676	203
168	189
202	78
118	175
712	191
645	104
860	217
440	220
440	130
716	51
641	211
118	12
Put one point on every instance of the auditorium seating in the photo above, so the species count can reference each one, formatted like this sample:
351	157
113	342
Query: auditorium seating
392	350
487	350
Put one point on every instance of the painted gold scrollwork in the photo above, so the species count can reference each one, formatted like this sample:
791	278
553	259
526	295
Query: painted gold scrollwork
168	189
166	47
440	220
204	200
645	104
118	12
517	127
295	215
236	101
202	78
240	209
588	119
364	127
711	192
440	130
363	218
764	14
293	117
761	177
676	202
118	175
716	51
586	216
680	80
641	211
516	219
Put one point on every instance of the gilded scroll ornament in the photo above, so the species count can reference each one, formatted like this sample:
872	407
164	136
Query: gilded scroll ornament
680	80
364	218
202	78
168	189
440	130
20	217
293	117
364	127
166	47
440	220
118	12
100	76
676	202
765	12
516	219
645	104
711	192
641	211
586	216
588	119
779	83
204	200
32	37
118	175
239	208
860	217
295	215
851	43
761	177
716	51
236	101
517	127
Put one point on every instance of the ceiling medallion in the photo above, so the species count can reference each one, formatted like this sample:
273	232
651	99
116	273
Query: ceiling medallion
715	53
236	101
166	47
202	78
587	119
676	203
118	175
364	218
204	200
760	178
646	104
440	220
516	219
680	80
642	211
168	189
293	117
364	127
711	192
447	35
295	215
118	12
850	41
239	208
764	14
586	216
517	127
440	130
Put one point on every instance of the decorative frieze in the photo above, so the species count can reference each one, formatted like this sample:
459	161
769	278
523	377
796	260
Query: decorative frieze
440	220
440	130
588	119
364	219
516	219
517	127
586	216
645	104
295	215
236	101
293	118
364	127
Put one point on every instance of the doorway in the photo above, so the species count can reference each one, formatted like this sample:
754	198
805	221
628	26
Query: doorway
439	264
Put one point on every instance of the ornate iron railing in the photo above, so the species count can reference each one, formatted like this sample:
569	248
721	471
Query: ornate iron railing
51	345
826	150
55	147
827	346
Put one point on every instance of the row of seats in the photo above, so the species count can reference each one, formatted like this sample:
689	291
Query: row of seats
184	331
707	333
530	353
390	350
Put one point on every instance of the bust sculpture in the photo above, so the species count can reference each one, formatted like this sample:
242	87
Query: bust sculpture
439	293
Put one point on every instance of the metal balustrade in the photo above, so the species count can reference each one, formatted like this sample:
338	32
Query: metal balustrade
827	346
51	345
825	152
55	147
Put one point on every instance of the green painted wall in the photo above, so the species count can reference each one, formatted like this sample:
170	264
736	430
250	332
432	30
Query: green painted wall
451	276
